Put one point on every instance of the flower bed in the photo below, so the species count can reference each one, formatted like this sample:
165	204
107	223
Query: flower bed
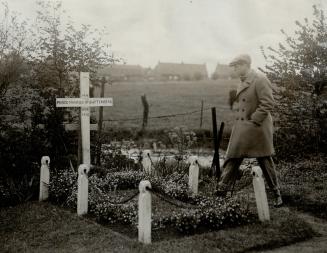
200	213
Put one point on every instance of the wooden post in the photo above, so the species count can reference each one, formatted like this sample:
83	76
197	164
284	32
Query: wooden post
193	178
98	152
215	141
144	213
201	116
145	112
260	194
44	178
220	136
83	189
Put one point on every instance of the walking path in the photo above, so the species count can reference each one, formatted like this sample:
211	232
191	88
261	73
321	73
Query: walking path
315	245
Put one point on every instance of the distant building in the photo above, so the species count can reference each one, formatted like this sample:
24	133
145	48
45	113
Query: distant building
180	71
223	71
123	72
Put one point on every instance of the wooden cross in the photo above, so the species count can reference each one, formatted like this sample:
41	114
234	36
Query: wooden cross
84	102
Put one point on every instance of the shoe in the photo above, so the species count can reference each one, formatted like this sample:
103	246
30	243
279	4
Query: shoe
278	202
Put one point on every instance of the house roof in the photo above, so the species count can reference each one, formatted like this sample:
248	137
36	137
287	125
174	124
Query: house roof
118	70
163	68
223	69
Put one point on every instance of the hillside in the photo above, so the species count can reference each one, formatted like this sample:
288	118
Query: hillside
168	98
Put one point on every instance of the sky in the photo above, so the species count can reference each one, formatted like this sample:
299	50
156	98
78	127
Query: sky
145	32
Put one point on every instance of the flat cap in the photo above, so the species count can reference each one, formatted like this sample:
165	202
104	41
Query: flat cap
243	58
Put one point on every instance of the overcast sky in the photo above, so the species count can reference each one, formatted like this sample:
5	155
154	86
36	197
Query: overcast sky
193	31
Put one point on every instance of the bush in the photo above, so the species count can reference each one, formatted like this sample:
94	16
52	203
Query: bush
62	184
298	68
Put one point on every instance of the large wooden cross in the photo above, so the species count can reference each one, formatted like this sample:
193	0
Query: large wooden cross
84	102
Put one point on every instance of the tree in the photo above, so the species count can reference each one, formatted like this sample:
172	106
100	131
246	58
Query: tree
298	67
61	49
13	46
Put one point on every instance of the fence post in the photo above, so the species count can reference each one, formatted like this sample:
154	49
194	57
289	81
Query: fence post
83	189
44	178
260	194
201	115
193	178
145	112
144	212
146	161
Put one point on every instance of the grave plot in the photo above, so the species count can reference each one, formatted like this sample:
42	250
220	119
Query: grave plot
180	205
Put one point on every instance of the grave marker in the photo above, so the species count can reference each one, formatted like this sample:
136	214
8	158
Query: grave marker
44	178
260	194
84	102
193	178
144	212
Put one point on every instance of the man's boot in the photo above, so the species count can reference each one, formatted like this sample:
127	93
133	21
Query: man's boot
278	199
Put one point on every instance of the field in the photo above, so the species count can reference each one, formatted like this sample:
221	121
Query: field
168	98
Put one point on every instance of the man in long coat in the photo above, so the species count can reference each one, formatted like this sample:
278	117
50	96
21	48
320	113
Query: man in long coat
252	133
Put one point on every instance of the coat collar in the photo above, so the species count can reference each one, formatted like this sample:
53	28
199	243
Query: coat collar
246	83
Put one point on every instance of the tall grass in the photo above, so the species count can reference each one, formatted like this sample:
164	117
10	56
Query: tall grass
166	98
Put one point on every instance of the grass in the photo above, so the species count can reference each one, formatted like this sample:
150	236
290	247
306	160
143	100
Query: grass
167	98
304	184
41	227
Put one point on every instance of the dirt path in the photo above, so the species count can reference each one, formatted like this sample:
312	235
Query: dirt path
315	245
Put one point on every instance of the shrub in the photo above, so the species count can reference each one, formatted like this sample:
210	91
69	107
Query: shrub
62	185
112	160
298	67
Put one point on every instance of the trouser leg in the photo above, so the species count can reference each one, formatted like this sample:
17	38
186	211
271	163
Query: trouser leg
268	168
229	173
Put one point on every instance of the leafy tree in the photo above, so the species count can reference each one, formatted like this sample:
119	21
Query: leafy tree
62	50
298	67
34	70
13	47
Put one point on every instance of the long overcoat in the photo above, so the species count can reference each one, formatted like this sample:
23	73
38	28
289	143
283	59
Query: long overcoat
252	133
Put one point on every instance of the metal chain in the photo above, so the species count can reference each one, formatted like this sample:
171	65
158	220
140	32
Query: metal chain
168	199
119	202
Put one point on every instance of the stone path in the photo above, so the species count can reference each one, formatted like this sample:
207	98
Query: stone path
315	245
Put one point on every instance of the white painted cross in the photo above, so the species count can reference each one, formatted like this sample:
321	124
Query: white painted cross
84	102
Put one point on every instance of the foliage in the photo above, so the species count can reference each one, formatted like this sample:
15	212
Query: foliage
62	185
209	212
33	72
304	184
182	138
112	159
13	48
298	67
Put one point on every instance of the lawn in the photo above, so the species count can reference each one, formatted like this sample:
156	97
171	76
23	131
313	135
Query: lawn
304	184
42	227
167	98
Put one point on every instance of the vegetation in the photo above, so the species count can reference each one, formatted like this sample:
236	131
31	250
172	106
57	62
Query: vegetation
298	67
201	212
37	64
36	69
61	230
